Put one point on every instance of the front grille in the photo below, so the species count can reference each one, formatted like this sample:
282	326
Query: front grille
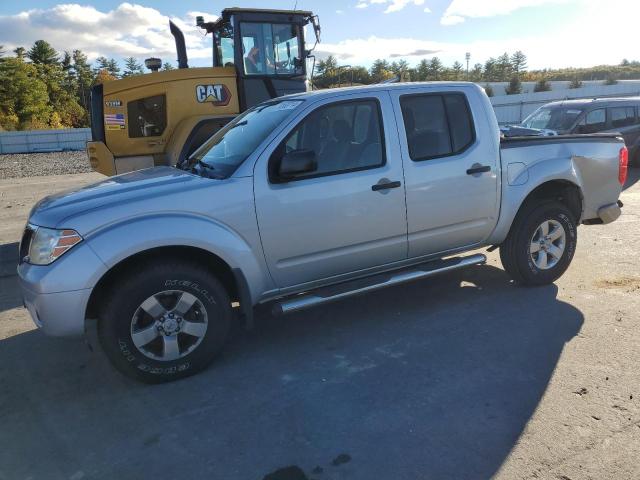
25	243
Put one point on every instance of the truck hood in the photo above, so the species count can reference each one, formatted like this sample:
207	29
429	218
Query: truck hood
118	192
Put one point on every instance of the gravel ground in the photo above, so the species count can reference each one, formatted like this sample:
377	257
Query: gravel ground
23	165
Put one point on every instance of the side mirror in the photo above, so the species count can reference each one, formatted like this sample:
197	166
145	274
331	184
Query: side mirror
297	162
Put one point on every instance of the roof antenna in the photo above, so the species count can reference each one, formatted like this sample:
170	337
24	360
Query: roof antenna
295	5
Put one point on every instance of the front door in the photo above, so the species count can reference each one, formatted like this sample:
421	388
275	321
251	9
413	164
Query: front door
346	215
450	165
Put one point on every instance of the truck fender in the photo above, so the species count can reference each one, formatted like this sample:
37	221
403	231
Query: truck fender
515	193
155	231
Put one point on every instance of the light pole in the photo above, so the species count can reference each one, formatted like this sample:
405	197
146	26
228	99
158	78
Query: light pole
467	56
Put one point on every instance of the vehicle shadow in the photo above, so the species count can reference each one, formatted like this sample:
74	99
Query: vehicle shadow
435	379
632	177
9	290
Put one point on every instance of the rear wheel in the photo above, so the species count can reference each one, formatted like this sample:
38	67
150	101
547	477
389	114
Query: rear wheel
164	322
541	243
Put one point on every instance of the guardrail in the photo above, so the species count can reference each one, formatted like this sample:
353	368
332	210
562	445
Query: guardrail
33	141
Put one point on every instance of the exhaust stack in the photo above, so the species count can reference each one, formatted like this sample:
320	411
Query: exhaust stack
180	45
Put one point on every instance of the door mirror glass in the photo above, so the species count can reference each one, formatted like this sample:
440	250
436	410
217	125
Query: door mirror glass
297	162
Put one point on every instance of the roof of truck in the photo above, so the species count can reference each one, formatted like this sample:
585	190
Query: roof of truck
330	92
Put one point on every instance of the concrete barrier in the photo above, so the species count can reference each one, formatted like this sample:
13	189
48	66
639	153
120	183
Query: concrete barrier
44	140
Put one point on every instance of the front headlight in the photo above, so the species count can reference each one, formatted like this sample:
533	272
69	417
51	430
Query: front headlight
47	244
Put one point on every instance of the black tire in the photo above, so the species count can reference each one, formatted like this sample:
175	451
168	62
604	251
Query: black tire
515	251
116	324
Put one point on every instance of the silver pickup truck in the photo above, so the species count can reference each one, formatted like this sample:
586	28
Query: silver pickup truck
305	200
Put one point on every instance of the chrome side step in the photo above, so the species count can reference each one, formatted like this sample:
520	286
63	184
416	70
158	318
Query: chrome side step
376	282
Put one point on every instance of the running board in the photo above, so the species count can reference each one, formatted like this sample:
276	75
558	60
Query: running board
376	282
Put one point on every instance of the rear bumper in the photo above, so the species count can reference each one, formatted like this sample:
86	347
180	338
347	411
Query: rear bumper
610	213
606	214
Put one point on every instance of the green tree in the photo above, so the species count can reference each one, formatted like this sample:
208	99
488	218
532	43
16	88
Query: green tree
476	73
20	52
519	62
457	71
24	102
108	64
166	66
490	73
423	70
575	83
42	53
542	85
611	79
515	86
84	76
504	67
380	71
488	90
435	69
132	67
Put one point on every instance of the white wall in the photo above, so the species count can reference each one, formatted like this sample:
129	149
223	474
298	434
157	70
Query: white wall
44	140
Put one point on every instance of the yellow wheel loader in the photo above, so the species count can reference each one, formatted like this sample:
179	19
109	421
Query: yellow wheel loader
160	118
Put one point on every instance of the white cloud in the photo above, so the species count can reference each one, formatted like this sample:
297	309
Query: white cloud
392	5
567	46
127	30
459	10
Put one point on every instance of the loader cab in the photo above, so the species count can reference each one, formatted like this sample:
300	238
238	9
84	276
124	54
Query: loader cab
267	49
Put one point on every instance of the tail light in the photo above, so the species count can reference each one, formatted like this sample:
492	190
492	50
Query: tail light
624	165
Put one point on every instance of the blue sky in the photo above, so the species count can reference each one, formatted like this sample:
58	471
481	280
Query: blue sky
553	33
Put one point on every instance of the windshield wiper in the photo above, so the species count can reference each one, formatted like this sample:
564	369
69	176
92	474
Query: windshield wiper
200	167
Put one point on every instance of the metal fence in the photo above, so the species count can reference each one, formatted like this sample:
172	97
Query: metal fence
44	140
512	109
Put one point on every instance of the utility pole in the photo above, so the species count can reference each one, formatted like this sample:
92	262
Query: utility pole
467	56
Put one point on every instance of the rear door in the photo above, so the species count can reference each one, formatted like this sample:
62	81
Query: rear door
623	119
450	154
349	214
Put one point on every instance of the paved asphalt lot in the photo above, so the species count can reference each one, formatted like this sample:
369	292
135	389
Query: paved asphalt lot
463	376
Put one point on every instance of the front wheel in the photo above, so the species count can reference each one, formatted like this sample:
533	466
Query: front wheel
161	322
541	243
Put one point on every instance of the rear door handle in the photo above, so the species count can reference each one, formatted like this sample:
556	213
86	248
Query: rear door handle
385	184
477	168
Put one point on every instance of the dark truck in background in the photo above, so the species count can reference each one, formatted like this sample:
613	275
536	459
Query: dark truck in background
581	116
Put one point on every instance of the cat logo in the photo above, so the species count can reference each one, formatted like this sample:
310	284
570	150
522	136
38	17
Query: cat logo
218	94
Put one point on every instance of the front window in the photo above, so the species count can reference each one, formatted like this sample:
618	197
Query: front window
225	151
552	118
271	49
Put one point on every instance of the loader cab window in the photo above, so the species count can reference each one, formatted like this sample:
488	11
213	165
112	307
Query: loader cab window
271	49
223	41
147	117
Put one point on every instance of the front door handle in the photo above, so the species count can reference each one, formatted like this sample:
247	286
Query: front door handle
477	168
385	184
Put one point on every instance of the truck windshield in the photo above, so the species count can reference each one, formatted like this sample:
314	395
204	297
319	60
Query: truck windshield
223	153
552	118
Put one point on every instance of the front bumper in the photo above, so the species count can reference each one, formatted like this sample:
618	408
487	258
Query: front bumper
58	314
57	295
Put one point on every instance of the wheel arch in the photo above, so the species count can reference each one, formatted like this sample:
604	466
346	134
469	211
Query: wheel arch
566	191
232	278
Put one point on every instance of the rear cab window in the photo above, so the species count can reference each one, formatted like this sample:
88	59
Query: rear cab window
437	125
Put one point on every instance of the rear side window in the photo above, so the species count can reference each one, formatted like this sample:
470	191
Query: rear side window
437	125
594	121
622	116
